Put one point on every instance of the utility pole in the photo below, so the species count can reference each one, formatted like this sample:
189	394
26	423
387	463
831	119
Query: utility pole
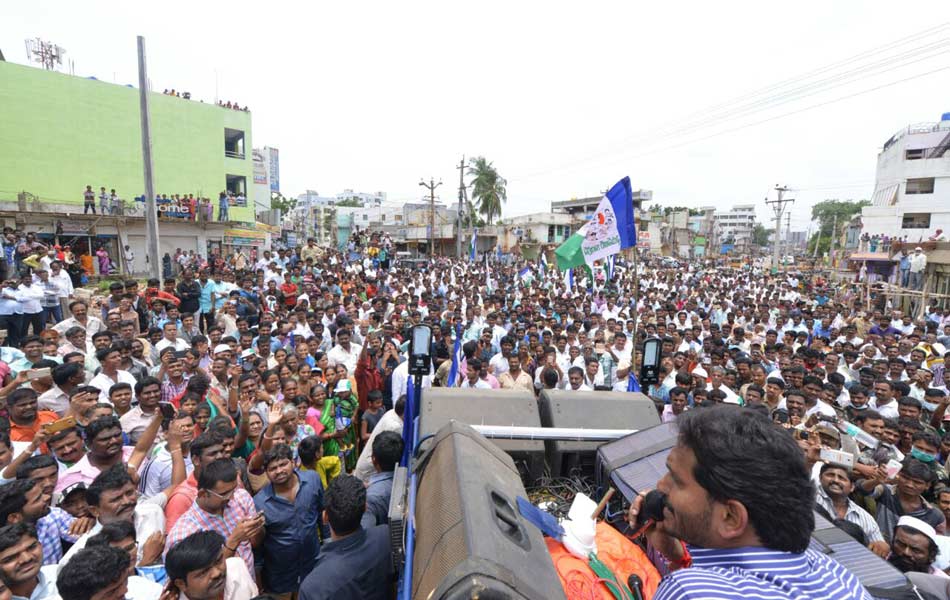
788	231
834	235
779	207
431	187
462	194
151	212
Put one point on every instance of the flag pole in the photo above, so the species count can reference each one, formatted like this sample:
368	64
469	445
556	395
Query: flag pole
636	302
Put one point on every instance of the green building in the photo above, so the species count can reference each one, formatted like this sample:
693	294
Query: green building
60	133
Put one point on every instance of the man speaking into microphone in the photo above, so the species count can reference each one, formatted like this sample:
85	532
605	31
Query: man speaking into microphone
738	515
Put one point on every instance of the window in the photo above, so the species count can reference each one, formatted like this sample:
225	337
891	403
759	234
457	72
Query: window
234	143
365	217
916	154
550	234
924	185
236	184
398	218
916	221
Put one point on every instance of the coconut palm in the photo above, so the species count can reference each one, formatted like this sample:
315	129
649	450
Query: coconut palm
488	188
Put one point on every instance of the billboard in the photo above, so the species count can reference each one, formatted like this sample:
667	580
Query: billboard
260	169
273	161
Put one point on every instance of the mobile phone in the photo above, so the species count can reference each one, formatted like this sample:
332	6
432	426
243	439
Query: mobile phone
837	457
168	410
38	373
59	425
893	467
800	434
780	416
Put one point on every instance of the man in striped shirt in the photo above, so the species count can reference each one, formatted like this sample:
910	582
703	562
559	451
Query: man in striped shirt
223	507
738	515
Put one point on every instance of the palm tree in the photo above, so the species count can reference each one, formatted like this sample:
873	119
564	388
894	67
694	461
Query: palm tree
488	188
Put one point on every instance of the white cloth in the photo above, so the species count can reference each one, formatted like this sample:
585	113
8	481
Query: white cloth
364	465
103	382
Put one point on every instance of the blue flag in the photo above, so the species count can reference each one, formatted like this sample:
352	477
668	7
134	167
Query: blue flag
543	256
524	272
471	251
610	267
632	384
408	423
454	370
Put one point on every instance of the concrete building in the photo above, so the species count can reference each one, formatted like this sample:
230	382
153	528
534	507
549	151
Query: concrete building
734	227
86	132
912	188
584	207
542	228
364	199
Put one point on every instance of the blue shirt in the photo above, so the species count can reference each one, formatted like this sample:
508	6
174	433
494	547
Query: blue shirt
51	530
204	300
378	493
719	574
357	567
291	540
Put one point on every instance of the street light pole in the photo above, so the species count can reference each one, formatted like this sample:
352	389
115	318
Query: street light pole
151	212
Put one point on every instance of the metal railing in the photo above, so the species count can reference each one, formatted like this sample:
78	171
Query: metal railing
230	154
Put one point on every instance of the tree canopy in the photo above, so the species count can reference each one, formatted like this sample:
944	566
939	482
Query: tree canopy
489	190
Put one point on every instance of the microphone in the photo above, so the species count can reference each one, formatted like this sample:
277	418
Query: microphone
635	585
651	511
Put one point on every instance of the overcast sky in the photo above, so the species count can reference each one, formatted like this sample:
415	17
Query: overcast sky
564	97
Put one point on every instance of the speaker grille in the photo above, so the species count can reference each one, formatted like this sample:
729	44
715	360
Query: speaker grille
442	541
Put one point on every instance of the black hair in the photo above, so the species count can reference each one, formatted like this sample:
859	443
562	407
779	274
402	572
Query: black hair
34	463
13	497
20	394
928	437
345	504
202	443
64	372
99	425
918	469
387	450
10	534
118	387
113	478
222	469
196	552
775	488
92	570
144	382
309	449
115	531
278	452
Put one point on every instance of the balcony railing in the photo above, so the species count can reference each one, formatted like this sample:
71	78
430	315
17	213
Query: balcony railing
230	154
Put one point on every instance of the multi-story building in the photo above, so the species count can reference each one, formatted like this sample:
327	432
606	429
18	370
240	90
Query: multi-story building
734	227
363	198
912	188
61	133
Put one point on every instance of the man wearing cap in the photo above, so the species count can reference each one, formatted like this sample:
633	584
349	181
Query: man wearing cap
915	547
918	264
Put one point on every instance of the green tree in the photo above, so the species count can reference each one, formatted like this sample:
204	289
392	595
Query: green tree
831	213
351	202
279	202
488	188
760	235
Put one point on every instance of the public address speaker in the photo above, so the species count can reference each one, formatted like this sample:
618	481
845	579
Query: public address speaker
471	540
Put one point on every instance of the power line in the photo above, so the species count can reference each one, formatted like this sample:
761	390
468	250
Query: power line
709	117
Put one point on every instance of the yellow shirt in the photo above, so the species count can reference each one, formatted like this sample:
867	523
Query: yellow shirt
328	468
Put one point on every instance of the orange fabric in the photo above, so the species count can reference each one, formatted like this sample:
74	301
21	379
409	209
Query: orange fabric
21	433
620	554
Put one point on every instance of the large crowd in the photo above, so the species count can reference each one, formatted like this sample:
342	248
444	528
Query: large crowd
233	430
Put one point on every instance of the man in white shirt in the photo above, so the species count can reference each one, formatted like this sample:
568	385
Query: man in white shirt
170	338
81	317
344	352
31	298
472	379
918	264
198	569
110	358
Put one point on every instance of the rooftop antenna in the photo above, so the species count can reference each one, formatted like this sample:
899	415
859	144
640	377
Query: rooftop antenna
45	53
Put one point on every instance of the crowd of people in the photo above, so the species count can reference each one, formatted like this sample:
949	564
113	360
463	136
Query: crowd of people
233	430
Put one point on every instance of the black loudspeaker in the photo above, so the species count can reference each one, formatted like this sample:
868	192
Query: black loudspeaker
638	461
471	540
590	410
487	407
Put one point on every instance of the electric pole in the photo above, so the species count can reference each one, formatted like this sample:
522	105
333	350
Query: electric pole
431	187
788	232
151	212
779	207
462	194
834	235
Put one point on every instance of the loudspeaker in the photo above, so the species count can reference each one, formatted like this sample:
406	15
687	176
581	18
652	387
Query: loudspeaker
590	410
638	461
471	540
487	407
870	569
